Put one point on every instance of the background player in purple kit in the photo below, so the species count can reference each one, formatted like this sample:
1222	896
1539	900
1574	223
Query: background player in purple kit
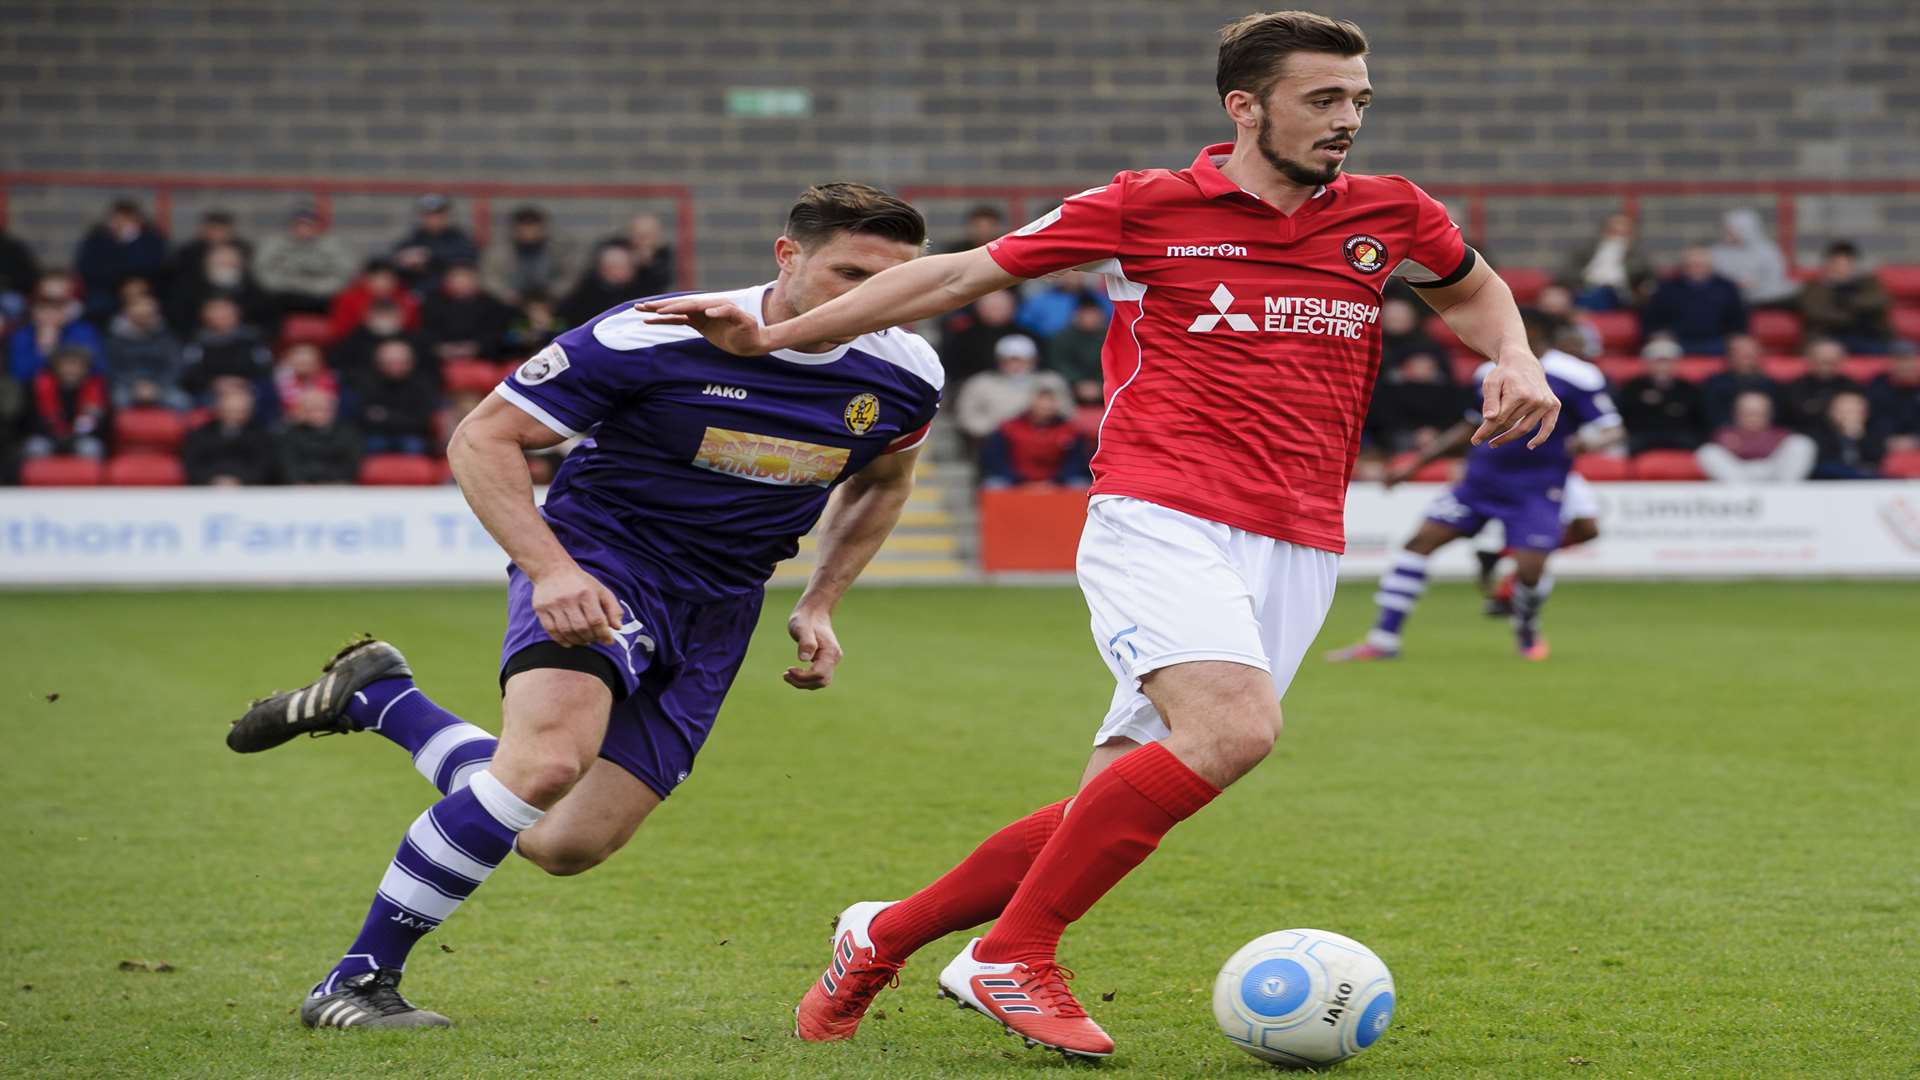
634	590
1522	489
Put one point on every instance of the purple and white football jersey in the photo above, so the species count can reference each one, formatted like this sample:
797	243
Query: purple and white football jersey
1585	404
703	468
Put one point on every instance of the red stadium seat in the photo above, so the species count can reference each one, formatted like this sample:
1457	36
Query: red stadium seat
1776	330
1783	369
1433	472
1902	283
1906	323
60	472
1526	283
478	376
1621	369
149	428
398	470
145	470
305	330
1667	465
1698	368
1863	369
1901	465
1602	468
1465	363
1619	330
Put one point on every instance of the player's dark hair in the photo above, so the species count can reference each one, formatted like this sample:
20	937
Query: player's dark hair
1254	50
826	209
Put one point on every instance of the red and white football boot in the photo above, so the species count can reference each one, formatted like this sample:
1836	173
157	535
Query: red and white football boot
1033	1003
838	999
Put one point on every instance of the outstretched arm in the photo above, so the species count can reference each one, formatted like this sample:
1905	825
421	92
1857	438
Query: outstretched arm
1479	309
896	296
860	514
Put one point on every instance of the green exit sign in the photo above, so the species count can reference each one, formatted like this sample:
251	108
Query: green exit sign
765	102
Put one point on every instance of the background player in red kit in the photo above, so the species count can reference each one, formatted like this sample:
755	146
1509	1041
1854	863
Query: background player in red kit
1242	355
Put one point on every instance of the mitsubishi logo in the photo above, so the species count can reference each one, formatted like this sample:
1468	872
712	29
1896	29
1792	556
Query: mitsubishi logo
1222	300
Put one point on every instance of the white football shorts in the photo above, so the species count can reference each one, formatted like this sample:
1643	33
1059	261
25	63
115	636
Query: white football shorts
1578	500
1166	588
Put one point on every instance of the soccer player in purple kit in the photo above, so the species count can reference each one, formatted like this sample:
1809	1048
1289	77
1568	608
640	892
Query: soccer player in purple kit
1522	489
634	590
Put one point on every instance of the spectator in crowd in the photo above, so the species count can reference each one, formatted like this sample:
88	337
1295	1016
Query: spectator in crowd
609	283
1050	302
303	268
19	271
1743	375
1040	446
1660	410
301	369
378	283
232	448
1851	448
1750	259
530	260
396	404
1806	397
352	356
653	265
1847	303
69	407
1413	403
53	320
985	223
533	325
1403	333
992	398
314	447
144	361
222	271
13	407
122	246
460	321
1075	351
225	346
968	351
434	243
1894	396
1755	450
216	230
1697	306
1610	272
1556	303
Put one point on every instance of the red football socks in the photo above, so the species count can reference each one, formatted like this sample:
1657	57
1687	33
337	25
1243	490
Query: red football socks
969	894
1116	822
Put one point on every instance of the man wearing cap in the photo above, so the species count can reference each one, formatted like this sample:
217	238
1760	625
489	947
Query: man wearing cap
992	398
531	261
435	243
302	268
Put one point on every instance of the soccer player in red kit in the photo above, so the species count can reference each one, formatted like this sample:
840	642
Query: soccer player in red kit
1239	364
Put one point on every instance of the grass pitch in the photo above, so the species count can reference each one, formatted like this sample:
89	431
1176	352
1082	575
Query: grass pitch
1689	845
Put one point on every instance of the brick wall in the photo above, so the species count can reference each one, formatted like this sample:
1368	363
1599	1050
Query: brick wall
912	92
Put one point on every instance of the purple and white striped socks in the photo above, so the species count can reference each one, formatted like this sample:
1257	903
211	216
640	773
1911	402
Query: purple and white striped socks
1400	589
447	750
446	854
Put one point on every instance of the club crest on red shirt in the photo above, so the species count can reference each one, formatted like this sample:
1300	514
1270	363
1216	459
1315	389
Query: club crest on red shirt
1365	253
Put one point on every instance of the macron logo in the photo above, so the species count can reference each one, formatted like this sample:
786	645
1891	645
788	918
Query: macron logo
1222	300
716	390
1206	251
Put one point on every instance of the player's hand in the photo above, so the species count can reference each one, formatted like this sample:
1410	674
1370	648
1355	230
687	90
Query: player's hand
1517	400
1394	478
724	324
819	650
575	609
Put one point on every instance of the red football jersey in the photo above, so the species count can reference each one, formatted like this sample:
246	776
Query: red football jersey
1245	341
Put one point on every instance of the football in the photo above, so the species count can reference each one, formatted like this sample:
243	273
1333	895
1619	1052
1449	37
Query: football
1303	998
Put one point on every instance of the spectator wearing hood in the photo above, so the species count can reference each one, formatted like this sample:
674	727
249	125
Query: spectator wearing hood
1751	259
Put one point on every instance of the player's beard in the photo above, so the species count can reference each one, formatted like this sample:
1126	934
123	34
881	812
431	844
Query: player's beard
1294	171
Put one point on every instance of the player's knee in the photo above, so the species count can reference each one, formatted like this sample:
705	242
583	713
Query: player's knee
1248	744
562	859
549	779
